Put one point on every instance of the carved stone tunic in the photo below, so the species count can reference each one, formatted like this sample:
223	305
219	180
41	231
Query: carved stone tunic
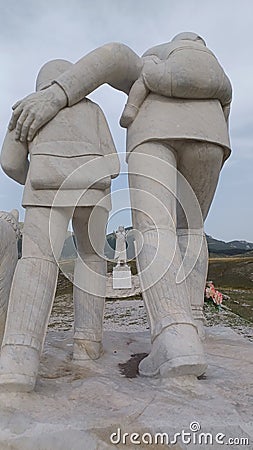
68	163
161	119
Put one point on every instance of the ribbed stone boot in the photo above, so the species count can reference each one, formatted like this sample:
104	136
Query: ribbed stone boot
9	234
176	347
195	267
6	278
30	304
89	300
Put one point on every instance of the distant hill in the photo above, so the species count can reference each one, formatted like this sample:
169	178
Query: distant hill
228	248
230	263
69	249
215	246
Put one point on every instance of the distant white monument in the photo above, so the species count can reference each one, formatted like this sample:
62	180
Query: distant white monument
120	250
122	272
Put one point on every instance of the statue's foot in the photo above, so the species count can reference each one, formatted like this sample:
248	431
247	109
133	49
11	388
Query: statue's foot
18	368
85	350
176	351
128	115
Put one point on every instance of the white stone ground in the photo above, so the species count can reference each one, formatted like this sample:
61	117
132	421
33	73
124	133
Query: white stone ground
78	408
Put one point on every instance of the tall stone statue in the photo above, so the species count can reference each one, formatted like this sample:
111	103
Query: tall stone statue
120	250
9	234
177	142
69	170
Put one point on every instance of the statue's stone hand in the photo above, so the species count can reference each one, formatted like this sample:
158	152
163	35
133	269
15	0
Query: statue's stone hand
31	113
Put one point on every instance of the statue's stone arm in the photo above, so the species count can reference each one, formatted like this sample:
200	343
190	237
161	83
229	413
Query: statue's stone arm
14	158
114	63
160	51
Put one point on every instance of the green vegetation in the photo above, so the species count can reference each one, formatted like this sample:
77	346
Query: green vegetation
227	272
233	275
231	272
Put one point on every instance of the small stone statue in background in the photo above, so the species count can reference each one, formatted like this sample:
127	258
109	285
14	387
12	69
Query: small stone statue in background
121	249
9	234
122	278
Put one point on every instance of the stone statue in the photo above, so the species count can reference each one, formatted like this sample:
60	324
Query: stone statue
177	142
68	172
121	274
9	234
120	251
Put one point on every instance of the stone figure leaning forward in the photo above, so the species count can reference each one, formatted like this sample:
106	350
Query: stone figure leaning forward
176	146
68	174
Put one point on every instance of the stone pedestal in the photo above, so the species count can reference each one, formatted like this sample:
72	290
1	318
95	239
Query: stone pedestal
89	407
121	278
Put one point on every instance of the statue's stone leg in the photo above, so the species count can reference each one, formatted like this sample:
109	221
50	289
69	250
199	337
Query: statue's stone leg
89	283
31	299
9	258
176	347
89	308
28	313
197	273
200	165
7	276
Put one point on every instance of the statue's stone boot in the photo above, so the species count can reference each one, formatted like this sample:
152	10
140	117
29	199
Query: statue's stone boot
85	350
18	368
194	251
176	346
30	304
89	300
176	351
9	234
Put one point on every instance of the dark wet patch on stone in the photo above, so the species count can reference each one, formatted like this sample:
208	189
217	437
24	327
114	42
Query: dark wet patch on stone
130	368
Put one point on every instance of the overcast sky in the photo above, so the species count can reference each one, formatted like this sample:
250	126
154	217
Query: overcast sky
33	32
